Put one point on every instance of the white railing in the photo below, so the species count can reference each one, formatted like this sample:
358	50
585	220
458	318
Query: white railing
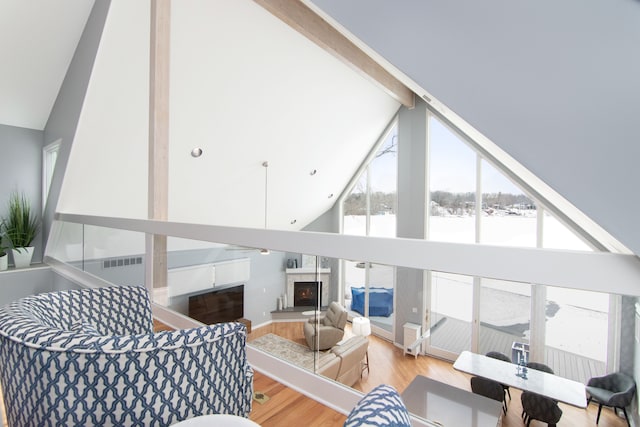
593	271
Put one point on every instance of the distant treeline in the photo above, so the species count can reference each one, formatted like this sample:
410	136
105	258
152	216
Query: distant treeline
442	202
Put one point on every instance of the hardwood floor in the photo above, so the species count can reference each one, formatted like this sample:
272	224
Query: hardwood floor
387	365
287	407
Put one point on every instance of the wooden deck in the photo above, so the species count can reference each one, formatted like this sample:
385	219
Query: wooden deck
455	335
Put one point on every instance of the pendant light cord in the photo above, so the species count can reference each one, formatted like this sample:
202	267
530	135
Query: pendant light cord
266	194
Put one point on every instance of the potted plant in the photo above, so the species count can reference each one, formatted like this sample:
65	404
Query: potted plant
4	257
21	227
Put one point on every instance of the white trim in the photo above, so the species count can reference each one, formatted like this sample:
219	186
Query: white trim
613	333
47	152
365	164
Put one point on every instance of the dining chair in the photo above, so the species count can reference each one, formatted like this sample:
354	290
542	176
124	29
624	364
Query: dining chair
489	388
541	408
504	358
540	367
615	390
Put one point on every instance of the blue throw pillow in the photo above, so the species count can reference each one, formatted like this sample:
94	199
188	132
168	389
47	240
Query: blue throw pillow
382	406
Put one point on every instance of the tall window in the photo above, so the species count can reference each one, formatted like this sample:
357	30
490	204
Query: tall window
452	186
508	214
370	210
471	201
49	157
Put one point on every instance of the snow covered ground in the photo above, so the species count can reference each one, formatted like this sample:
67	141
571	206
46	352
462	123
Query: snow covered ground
577	321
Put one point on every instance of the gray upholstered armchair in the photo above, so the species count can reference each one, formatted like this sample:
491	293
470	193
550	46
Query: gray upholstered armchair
330	328
615	390
90	357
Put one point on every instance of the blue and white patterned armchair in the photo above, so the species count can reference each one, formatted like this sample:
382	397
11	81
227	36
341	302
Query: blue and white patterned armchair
90	357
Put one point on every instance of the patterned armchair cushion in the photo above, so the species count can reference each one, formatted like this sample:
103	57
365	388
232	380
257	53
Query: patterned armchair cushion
84	328
125	375
382	406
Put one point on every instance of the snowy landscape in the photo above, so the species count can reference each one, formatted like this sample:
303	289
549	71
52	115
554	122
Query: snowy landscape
577	321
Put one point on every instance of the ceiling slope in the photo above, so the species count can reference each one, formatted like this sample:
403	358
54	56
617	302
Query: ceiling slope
245	88
553	84
37	41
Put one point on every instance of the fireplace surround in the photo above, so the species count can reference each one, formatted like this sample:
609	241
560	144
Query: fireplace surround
308	275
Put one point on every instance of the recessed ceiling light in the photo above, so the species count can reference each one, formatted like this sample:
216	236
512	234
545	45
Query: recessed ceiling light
196	152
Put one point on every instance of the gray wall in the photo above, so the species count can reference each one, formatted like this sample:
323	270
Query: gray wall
17	284
63	120
554	84
267	277
21	170
412	169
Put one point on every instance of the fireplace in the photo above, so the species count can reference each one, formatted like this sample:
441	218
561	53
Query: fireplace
305	294
313	275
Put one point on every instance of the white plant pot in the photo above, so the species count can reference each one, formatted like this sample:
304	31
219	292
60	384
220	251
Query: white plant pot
22	256
4	262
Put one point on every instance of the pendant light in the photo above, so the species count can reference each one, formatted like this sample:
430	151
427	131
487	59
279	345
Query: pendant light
265	164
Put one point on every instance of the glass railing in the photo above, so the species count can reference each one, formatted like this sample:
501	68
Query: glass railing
357	303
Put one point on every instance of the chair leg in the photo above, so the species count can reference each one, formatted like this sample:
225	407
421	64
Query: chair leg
589	400
624	410
599	410
509	393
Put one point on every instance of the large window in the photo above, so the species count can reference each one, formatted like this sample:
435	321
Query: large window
452	186
508	214
472	201
370	210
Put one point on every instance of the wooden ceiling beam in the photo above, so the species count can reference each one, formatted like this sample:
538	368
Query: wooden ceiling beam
308	23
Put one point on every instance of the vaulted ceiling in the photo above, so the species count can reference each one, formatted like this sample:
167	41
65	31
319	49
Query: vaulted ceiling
245	88
37	42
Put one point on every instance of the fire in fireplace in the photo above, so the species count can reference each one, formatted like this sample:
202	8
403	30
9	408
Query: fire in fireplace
307	294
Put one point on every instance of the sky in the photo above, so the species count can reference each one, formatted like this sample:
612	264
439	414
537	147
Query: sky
452	166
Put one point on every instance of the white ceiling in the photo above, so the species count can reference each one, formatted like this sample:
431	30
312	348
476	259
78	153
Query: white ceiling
246	88
37	42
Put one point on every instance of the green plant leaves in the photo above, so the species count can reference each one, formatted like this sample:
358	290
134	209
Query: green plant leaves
21	225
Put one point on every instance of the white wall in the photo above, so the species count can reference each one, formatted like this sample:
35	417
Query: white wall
107	168
245	88
554	84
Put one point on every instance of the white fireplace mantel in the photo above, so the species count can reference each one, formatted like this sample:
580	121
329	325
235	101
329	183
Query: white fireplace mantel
308	274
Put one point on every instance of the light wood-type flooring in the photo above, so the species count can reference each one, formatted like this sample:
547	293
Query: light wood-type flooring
387	365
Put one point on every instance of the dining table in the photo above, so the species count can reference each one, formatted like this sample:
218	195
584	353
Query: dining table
553	386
